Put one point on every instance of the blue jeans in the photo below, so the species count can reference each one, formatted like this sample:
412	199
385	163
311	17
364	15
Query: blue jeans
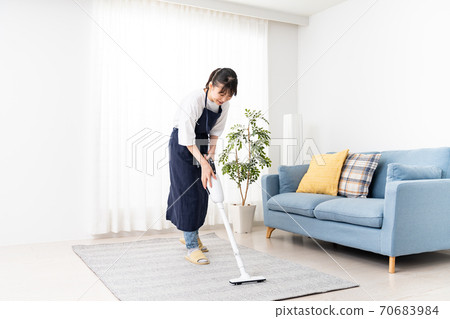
191	238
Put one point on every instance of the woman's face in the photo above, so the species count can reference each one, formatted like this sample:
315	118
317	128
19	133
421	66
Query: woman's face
217	97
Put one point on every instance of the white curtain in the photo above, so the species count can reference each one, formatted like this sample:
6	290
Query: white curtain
147	55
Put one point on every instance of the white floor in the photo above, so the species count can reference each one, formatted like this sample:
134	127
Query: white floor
51	271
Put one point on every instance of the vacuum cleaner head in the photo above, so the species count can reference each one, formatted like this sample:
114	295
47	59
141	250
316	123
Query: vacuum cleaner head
250	279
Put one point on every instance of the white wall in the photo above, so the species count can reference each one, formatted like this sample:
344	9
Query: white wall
385	83
283	67
47	129
46	169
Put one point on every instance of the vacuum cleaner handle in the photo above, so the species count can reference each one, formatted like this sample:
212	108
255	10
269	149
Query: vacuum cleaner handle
215	191
211	162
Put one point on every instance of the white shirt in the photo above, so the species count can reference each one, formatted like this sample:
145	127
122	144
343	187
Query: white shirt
191	110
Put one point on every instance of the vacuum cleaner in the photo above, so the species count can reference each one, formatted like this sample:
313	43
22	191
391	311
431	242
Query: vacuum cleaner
216	194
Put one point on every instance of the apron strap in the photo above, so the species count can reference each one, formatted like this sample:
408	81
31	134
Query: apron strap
207	122
207	125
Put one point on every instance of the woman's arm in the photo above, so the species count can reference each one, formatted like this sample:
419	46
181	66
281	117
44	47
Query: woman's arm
212	147
196	153
206	168
211	152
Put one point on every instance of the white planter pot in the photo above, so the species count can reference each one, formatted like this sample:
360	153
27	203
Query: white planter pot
242	217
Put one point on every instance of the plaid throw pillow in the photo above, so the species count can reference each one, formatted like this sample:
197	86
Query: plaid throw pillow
357	174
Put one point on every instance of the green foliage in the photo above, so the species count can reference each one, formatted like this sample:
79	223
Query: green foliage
251	140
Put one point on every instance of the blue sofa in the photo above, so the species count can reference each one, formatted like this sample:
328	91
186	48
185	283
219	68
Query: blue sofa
397	218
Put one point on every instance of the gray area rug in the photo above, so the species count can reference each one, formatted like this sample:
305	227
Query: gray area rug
155	269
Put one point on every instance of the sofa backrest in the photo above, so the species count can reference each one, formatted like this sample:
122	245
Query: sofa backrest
439	157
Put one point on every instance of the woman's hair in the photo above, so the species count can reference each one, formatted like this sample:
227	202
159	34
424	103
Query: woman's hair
225	76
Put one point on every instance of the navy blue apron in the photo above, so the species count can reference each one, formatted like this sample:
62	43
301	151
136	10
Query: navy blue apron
188	200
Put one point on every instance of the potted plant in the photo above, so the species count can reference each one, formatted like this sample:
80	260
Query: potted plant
243	165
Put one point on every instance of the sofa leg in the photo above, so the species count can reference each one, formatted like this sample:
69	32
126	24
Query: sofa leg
391	265
269	231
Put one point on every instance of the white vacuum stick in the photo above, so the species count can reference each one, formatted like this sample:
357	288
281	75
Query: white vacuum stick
216	193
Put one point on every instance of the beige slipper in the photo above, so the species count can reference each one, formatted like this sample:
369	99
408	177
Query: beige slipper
195	256
200	245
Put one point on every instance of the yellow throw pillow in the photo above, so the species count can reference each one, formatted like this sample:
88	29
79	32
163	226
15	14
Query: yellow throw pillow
323	174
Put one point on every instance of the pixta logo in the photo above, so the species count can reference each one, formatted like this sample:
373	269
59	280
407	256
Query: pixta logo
291	151
147	151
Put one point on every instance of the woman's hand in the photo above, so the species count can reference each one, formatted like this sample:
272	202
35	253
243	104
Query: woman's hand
207	171
211	153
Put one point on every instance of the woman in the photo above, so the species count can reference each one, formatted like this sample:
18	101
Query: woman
198	124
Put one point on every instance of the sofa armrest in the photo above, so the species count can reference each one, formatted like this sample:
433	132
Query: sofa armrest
416	217
270	187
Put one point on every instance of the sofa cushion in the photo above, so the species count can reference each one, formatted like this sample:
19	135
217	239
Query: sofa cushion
402	172
297	203
290	177
439	157
323	174
357	174
358	211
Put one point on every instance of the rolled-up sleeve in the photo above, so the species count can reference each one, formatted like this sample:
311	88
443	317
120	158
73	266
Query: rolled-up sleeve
187	117
219	127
